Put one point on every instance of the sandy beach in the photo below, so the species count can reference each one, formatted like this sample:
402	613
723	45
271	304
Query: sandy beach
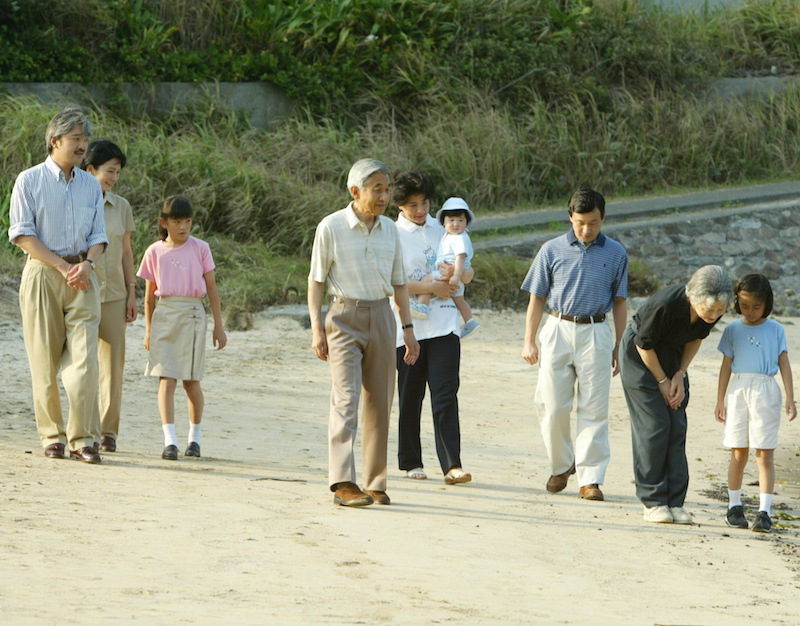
248	533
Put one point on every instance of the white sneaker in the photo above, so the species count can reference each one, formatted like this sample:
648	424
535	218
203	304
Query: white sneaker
658	515
470	327
680	515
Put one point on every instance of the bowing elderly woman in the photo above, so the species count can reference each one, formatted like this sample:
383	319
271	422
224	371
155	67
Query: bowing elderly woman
656	350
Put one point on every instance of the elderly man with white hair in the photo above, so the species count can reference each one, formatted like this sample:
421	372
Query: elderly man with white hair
358	253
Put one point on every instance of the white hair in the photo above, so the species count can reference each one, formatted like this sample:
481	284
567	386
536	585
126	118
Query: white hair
64	121
710	284
362	170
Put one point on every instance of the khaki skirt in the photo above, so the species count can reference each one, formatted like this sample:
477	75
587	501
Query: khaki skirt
178	339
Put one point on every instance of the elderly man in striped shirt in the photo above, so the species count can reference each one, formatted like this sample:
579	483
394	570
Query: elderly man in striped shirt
57	218
581	276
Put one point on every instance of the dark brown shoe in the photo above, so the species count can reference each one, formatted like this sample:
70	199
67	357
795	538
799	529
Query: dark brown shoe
592	492
379	497
170	453
54	451
348	494
108	444
87	455
557	483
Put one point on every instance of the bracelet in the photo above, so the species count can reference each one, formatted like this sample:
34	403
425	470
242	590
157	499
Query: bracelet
131	284
406	326
661	382
682	372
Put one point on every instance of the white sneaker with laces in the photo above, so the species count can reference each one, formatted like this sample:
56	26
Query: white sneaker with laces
680	515
658	515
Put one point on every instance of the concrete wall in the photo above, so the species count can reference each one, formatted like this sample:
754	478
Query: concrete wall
263	102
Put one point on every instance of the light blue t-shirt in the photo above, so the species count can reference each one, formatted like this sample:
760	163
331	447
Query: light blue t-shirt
754	349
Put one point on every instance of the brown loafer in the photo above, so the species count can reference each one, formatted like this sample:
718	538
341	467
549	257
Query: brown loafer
87	455
54	451
379	497
348	494
108	444
592	492
557	483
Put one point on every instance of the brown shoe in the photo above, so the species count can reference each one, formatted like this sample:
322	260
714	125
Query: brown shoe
592	492
87	455
108	444
557	483
379	497
54	451
348	494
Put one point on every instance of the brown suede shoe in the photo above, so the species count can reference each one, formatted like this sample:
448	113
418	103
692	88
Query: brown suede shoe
379	497
557	483
348	494
592	492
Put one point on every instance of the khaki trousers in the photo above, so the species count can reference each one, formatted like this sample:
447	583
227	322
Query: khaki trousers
361	353
111	360
60	328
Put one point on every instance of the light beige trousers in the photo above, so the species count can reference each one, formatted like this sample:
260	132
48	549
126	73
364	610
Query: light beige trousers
361	353
111	360
60	328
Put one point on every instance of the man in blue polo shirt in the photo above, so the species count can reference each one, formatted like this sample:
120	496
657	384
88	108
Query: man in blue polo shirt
581	276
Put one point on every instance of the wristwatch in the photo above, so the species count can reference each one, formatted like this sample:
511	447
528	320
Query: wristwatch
91	263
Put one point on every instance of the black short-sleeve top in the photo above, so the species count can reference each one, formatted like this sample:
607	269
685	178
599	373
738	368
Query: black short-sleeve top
664	324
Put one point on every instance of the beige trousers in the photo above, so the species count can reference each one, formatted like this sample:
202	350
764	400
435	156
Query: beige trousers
361	353
60	328
111	361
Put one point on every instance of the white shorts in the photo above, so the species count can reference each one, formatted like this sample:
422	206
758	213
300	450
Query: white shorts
752	412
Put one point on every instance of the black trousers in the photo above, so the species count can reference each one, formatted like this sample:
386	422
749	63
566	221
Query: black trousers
437	368
658	433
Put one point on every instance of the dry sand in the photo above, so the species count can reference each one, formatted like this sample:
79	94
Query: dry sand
248	533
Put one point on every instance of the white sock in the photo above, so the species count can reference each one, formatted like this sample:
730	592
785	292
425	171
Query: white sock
194	433
734	498
765	502
169	435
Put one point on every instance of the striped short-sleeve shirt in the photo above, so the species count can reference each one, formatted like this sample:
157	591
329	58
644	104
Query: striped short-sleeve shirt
65	215
577	279
356	262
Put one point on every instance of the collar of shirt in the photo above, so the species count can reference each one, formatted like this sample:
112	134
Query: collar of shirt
406	224
353	221
56	171
572	239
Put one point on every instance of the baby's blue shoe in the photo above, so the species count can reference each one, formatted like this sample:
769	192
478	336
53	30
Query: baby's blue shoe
469	327
420	311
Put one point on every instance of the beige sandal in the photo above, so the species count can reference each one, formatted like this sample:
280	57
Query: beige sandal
417	474
456	475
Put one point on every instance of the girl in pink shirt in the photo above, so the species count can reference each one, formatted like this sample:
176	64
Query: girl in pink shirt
179	271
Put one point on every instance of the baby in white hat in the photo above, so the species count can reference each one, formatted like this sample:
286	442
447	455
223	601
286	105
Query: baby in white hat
455	249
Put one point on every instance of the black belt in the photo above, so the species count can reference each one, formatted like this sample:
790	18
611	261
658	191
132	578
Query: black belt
592	319
77	258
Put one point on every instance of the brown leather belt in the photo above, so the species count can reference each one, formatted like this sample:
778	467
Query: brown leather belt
361	304
593	319
77	258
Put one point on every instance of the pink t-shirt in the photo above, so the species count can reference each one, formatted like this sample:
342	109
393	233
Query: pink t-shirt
178	271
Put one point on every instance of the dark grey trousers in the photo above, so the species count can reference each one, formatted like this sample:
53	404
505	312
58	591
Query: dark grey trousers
658	433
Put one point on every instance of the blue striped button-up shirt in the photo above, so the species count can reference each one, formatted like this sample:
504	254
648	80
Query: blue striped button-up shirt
577	279
65	215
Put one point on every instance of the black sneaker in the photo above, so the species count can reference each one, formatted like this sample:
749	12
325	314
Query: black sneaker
763	523
735	517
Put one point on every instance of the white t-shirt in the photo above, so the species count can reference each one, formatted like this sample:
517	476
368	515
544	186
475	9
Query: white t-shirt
420	244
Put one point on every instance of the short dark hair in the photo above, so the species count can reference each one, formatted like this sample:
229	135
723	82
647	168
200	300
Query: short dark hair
102	151
759	286
585	200
175	207
407	184
454	213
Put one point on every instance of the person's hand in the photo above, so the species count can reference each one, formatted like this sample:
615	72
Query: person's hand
219	338
530	352
442	289
146	342
131	310
412	347
78	277
615	360
445	270
676	391
454	281
319	343
791	409
719	412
